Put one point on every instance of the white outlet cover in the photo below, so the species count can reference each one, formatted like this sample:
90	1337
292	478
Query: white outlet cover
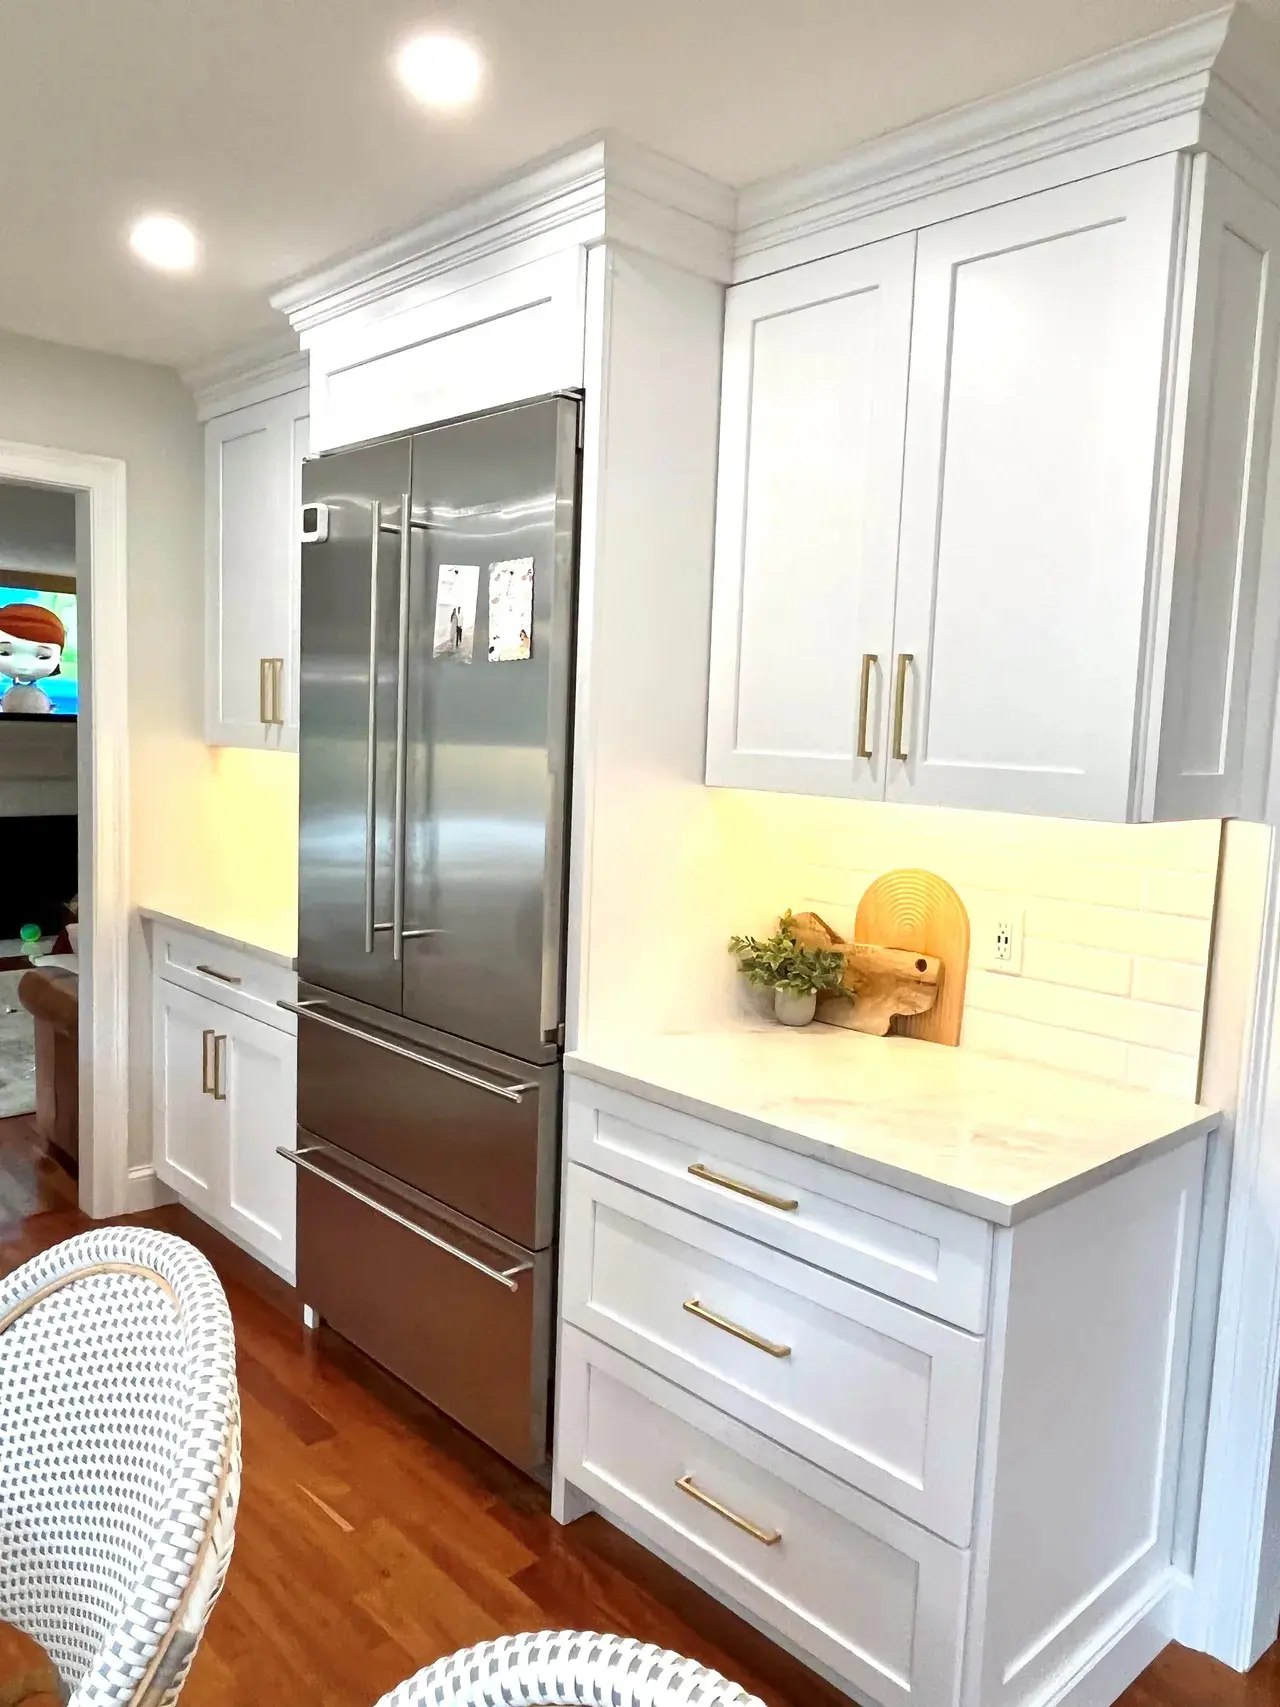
1002	938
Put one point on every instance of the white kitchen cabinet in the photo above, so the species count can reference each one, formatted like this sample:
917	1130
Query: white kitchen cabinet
1039	593
253	471
225	1089
186	1117
926	1515
1037	355
814	406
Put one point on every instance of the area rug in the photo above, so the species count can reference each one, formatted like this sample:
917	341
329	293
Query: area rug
17	1051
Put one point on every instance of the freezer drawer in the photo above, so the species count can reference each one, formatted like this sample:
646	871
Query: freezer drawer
463	1318
465	1125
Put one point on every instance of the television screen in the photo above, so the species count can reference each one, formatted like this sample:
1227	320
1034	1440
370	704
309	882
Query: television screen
45	679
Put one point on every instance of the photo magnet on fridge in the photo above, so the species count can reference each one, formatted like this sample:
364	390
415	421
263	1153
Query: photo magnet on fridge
510	610
456	594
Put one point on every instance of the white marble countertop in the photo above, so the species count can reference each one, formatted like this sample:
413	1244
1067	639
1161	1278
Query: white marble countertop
998	1138
271	955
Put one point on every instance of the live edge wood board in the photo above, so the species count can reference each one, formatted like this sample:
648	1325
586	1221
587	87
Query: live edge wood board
923	988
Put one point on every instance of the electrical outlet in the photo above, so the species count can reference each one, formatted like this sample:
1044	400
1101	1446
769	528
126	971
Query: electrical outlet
1004	939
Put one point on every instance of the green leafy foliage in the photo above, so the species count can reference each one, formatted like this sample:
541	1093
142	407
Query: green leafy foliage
779	962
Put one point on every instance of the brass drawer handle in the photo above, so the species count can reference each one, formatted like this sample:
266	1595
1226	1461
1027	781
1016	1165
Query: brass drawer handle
768	1537
695	1308
869	661
699	1170
905	661
222	977
205	1086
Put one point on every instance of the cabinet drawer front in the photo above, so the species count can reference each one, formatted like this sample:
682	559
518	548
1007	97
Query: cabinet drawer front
870	1596
241	981
881	1396
931	1257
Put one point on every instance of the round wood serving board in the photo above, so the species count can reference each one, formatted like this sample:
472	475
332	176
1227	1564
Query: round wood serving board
921	911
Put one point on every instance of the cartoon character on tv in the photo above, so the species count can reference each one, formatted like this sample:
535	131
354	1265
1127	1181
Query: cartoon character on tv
31	642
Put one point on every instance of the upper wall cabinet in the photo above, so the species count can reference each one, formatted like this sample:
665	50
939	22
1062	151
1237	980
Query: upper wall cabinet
991	506
253	469
814	407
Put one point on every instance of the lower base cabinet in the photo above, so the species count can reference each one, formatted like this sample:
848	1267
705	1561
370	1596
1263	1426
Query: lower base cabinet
924	1514
225	1096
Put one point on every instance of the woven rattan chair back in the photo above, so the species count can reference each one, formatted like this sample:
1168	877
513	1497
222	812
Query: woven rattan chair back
119	1459
568	1668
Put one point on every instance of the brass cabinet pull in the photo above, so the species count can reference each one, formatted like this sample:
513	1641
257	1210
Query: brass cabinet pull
905	660
277	690
222	977
699	1170
219	1067
768	1537
695	1308
264	690
205	1087
869	662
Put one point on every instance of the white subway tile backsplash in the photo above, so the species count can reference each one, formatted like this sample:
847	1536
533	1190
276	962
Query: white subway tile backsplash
1189	892
1159	936
1082	968
1160	1070
1116	919
1086	1010
1075	1051
1171	982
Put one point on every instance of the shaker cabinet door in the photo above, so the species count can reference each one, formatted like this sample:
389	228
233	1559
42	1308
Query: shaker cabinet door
253	460
187	1118
1032	455
259	1082
812	419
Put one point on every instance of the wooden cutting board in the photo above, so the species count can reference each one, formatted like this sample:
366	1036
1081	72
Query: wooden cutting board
918	910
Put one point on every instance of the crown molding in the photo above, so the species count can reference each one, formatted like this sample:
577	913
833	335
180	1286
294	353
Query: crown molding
608	188
1160	84
250	374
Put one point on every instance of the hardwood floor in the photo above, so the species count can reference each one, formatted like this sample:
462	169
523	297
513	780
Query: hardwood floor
373	1535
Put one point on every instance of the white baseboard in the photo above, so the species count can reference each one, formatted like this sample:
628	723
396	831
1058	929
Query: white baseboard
144	1190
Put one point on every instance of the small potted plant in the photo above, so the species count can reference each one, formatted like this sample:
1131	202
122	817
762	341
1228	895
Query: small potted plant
794	974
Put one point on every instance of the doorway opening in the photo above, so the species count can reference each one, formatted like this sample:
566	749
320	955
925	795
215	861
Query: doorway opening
39	822
64	878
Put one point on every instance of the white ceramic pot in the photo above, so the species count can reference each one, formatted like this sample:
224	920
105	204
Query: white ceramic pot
794	1010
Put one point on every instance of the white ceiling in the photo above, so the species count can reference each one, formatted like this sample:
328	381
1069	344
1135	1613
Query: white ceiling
273	125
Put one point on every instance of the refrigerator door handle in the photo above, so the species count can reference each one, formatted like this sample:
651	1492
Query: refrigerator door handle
311	1009
504	1277
402	719
371	740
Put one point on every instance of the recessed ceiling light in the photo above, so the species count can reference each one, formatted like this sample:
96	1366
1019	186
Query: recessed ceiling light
164	242
440	70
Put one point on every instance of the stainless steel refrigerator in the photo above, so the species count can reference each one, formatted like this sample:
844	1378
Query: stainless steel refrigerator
436	683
